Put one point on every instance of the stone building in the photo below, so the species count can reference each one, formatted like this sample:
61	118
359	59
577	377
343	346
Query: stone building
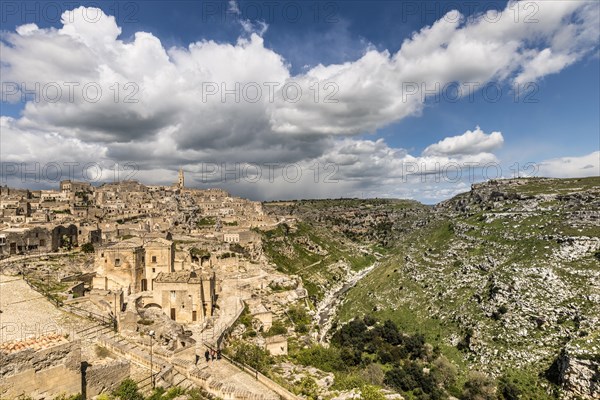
262	314
36	239
231	237
120	265
53	195
276	345
64	236
69	187
23	240
133	264
186	296
160	258
89	234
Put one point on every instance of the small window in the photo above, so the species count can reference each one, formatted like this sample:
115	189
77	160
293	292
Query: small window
117	262
102	255
153	259
153	269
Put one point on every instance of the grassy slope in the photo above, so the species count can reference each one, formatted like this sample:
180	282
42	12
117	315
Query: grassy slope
493	272
323	222
316	270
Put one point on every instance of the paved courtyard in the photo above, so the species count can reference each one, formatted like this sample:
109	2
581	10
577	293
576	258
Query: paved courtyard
26	313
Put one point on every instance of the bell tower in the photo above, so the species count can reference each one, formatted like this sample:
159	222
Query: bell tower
180	179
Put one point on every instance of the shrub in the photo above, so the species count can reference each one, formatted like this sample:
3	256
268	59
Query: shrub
237	248
508	389
276	329
249	333
444	371
253	356
410	376
308	387
101	352
206	221
325	359
344	381
157	394
369	320
373	374
87	248
399	379
173	392
370	392
197	254
390	333
196	394
479	387
128	390
298	315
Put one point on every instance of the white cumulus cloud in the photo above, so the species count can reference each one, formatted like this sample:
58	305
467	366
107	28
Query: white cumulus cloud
571	167
166	107
470	142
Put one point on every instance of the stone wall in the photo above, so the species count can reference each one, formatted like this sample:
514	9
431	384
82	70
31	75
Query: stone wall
47	372
105	377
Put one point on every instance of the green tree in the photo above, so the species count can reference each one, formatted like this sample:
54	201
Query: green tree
278	328
128	390
308	387
253	356
298	315
87	248
444	371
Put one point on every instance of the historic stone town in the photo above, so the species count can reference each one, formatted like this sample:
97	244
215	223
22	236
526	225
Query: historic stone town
124	280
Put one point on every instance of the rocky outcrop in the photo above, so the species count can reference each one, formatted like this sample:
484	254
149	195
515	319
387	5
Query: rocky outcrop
578	377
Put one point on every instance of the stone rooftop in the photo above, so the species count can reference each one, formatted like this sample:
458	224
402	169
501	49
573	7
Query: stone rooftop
35	343
129	243
175	277
182	277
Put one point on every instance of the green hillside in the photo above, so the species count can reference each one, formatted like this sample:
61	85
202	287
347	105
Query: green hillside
505	277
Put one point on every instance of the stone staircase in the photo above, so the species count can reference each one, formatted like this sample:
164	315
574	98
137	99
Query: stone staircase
223	380
219	378
186	364
167	376
91	331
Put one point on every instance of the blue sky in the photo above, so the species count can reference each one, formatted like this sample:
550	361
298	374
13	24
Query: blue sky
557	116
